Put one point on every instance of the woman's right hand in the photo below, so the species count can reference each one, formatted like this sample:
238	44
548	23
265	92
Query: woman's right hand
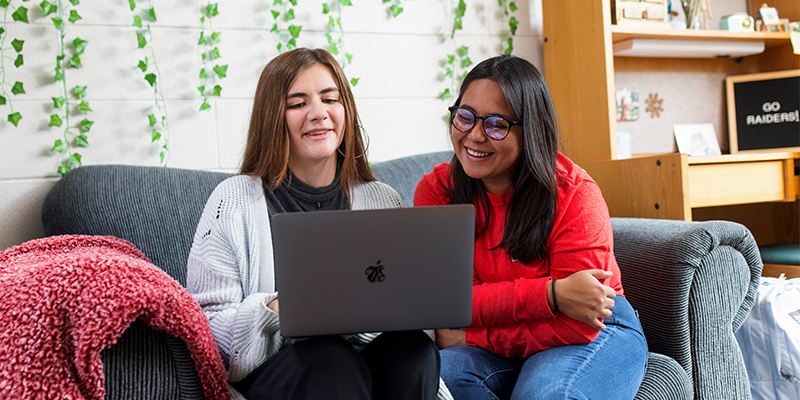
582	297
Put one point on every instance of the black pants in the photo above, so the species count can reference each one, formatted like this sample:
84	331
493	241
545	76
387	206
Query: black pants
396	365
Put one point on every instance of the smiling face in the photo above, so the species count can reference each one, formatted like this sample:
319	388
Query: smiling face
491	161
315	117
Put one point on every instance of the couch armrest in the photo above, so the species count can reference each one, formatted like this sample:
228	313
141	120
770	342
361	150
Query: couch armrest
693	284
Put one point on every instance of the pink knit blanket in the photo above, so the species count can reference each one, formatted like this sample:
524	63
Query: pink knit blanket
63	299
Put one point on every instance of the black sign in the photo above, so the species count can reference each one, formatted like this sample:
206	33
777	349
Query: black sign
767	113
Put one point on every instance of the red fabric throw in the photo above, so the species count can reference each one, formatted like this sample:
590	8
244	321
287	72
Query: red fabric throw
63	299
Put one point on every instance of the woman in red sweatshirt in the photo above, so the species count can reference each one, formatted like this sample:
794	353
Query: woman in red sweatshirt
549	316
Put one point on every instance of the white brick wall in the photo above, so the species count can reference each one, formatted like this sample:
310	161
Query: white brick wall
399	62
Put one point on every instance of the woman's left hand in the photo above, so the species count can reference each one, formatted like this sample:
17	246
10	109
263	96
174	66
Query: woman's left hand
451	337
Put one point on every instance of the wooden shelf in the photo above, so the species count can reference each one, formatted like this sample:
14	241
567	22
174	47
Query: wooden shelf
771	39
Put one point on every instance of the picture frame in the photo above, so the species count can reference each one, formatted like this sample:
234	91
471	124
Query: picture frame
764	111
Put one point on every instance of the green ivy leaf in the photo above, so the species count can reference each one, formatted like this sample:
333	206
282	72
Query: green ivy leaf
151	79
19	61
290	14
202	39
329	37
331	21
20	15
2	29
80	91
155	136
274	28
204	56
47	8
203	74
512	6
275	14
59	75
448	73
162	156
84	107
63	170
294	30
202	90
334	49
74	160
143	65
349	58
451	58
140	38
81	141
17	88
14	118
137	21
463	50
291	44
4	4
354	81
55	120
212	9
86	125
294	2
215	53
132	3
2	101
221	70
151	119
215	36
74	2
396	10
279	46
75	61
457	24
74	16
512	23
325	8
461	9
58	146
277	2
58	22
205	105
510	48
152	14
17	44
80	45
217	90
59	102
446	94
345	2
339	22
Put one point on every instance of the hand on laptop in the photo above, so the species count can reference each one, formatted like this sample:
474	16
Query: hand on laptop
273	305
451	337
582	297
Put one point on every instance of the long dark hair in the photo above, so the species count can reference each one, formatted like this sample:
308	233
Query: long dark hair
266	154
535	194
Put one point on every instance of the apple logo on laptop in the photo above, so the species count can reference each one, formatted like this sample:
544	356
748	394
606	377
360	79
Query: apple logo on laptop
375	273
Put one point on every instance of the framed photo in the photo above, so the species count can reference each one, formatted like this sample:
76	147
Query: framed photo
696	140
763	111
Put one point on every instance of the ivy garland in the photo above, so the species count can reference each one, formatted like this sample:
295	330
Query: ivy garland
336	44
458	59
65	104
209	55
395	8
287	38
20	14
508	8
158	120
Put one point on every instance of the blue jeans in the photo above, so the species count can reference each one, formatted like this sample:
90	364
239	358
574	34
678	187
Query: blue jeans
610	367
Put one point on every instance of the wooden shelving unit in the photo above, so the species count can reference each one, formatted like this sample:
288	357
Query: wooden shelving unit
580	67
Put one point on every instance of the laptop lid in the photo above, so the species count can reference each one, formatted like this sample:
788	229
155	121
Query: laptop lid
342	272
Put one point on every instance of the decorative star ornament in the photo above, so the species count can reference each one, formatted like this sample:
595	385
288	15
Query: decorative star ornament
654	105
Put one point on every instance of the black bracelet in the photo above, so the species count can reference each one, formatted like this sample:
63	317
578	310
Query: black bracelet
553	292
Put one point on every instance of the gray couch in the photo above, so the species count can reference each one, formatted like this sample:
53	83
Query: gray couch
692	283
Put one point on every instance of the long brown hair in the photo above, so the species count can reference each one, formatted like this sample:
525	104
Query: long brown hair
266	154
529	218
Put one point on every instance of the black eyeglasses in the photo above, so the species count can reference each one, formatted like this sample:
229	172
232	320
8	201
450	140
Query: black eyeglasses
494	126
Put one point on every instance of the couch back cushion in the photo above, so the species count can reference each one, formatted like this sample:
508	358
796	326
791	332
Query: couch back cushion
404	173
155	208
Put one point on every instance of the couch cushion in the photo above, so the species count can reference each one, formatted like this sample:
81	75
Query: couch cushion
404	173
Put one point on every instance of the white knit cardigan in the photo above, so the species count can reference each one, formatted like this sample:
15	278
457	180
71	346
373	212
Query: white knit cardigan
231	273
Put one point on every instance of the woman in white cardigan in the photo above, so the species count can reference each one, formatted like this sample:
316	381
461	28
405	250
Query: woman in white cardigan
304	152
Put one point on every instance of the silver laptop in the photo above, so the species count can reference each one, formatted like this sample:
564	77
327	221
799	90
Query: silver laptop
341	272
